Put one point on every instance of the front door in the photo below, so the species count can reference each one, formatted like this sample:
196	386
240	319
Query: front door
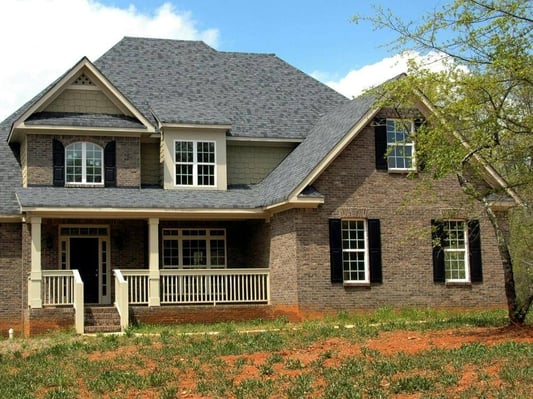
84	253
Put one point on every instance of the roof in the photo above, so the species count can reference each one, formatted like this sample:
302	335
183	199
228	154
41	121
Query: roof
323	139
188	82
83	120
260	94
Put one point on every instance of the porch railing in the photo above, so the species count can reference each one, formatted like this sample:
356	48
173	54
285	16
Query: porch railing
64	287
121	299
201	286
58	287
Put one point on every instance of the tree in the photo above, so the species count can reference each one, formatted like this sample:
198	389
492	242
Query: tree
483	101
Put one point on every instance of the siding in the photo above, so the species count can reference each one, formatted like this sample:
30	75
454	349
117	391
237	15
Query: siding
86	101
249	164
150	164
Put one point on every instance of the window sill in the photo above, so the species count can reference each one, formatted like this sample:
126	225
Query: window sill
458	284
351	284
401	171
84	185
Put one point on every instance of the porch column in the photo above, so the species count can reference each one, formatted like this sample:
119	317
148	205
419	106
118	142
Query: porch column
36	276
153	262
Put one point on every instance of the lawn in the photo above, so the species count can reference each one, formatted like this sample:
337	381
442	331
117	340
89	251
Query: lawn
383	354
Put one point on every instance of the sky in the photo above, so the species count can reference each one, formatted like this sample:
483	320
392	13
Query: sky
41	39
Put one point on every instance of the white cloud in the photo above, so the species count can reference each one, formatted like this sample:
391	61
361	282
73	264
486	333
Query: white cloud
358	80
41	39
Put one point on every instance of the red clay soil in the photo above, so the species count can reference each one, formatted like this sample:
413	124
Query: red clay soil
386	343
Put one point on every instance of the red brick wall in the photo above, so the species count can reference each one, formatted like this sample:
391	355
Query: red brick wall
210	314
405	207
11	277
41	321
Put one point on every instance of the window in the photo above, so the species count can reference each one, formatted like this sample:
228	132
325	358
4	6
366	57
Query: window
355	251
194	248
400	148
195	163
83	163
456	251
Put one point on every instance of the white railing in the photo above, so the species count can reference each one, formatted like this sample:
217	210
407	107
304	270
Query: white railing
57	287
198	286
121	299
79	304
137	285
64	287
215	286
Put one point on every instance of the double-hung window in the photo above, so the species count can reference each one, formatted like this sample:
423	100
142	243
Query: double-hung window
456	251
195	163
355	251
455	248
194	248
400	147
355	263
83	163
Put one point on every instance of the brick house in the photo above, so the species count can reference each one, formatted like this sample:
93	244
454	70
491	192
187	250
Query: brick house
170	182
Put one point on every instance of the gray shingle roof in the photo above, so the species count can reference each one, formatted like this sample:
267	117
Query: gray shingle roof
189	82
261	95
85	120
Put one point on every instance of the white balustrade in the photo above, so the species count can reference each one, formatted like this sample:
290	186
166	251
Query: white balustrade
57	287
199	286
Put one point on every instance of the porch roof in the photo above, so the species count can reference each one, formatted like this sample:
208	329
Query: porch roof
242	197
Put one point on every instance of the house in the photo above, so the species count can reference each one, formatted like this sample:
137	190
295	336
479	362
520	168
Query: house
169	182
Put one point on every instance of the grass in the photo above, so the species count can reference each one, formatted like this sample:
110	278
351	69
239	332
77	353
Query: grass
277	359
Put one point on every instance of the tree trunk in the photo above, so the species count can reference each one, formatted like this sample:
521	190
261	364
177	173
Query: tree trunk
517	313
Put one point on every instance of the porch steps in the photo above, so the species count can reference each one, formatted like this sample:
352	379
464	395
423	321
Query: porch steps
101	319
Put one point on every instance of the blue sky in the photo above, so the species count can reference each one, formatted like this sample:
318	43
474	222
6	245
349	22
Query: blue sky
316	36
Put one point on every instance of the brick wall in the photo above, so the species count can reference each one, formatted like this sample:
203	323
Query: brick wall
284	259
210	314
405	207
41	321
11	292
39	163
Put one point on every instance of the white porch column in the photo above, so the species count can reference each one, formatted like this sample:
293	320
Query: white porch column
153	262
36	276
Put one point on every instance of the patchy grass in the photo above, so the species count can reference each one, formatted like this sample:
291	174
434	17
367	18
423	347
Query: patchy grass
410	353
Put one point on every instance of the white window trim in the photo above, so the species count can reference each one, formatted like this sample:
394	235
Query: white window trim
195	163
402	144
465	250
180	237
366	281
84	165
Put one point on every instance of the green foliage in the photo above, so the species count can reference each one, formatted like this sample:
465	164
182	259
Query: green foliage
481	105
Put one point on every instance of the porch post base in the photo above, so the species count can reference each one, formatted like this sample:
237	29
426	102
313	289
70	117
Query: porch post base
153	291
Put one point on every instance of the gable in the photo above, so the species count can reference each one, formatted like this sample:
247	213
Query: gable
82	98
85	96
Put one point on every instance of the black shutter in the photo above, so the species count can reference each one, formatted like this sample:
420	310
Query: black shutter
335	250
380	133
110	169
420	160
474	247
374	250
437	238
58	160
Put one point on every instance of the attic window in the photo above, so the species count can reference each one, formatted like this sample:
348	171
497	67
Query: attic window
83	80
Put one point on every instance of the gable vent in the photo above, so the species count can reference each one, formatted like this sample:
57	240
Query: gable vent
83	80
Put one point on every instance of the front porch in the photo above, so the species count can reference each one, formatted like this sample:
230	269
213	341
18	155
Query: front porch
146	265
65	288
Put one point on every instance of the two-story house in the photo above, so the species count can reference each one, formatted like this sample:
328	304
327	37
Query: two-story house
168	177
